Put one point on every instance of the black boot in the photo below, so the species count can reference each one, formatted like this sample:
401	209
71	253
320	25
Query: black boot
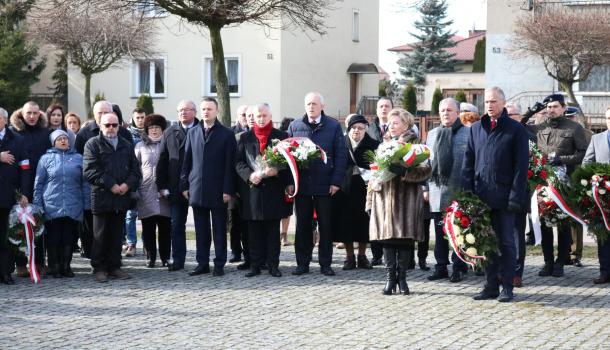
390	266
350	263
67	260
404	257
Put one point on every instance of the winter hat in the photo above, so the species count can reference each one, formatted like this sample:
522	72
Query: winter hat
56	134
468	107
555	98
154	119
356	118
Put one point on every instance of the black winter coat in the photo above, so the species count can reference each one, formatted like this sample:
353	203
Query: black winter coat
91	130
104	167
35	139
264	201
208	170
170	162
16	176
496	162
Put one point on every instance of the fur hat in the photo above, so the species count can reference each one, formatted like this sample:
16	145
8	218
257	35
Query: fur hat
357	118
154	119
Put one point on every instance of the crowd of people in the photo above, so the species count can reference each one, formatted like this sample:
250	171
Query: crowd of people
94	181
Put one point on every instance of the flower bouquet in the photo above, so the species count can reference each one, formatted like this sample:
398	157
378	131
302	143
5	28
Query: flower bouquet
25	226
394	152
467	225
538	170
548	209
553	201
591	197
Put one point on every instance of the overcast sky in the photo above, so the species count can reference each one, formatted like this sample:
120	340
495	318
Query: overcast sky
396	22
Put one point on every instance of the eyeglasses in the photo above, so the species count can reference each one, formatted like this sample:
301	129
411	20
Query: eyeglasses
114	125
185	110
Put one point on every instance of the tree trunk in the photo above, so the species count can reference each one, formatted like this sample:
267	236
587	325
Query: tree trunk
567	87
88	95
220	72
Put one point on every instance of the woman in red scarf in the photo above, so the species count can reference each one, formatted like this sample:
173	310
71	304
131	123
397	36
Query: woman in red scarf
262	193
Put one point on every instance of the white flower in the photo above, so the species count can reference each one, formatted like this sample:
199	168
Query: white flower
470	238
460	240
601	191
589	193
584	182
457	230
472	251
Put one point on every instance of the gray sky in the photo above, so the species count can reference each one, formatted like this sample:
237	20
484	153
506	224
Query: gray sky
396	22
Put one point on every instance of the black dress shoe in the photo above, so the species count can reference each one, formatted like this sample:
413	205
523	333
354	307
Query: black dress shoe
243	266
349	263
506	296
423	266
456	276
275	272
200	270
235	258
603	278
7	279
218	271
174	267
327	271
300	270
150	264
254	272
486	294
68	272
558	270
164	263
376	261
438	275
546	270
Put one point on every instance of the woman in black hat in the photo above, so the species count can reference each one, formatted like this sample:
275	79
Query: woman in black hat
351	222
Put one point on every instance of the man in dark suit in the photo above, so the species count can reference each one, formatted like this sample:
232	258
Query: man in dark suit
599	152
208	182
495	169
317	183
15	174
168	178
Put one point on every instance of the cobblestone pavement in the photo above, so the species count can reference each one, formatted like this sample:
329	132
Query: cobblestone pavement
159	309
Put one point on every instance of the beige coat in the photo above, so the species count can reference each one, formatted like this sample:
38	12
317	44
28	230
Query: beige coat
397	211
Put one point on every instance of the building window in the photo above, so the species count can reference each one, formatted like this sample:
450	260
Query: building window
150	77
233	68
355	25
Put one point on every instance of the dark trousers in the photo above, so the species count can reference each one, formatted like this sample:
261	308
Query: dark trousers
179	213
149	226
60	241
503	224
86	234
441	248
6	253
303	245
238	234
603	254
520	220
264	239
203	233
107	241
377	250
423	246
564	240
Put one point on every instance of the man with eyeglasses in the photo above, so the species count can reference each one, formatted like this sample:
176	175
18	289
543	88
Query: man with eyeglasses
168	178
112	169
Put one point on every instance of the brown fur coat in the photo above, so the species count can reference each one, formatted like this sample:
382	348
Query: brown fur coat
397	211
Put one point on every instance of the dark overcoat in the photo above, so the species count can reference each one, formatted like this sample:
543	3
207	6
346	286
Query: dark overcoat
17	176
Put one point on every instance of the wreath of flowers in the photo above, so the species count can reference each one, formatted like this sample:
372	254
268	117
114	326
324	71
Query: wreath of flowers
16	231
590	196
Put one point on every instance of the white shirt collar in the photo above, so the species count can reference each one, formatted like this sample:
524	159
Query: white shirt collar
187	126
316	120
2	133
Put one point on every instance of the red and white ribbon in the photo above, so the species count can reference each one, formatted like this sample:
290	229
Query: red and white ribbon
561	203
283	148
292	165
27	219
450	232
594	189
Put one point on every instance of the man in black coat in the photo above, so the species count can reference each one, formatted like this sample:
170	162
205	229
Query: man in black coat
15	175
168	178
112	169
88	131
208	182
30	123
495	169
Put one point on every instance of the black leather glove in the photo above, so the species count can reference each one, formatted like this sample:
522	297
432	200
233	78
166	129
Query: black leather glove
537	107
397	169
555	161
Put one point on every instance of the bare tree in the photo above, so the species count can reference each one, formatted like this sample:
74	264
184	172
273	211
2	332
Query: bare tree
571	41
214	15
95	38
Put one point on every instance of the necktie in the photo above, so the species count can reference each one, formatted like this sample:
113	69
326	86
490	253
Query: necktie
384	129
207	132
493	124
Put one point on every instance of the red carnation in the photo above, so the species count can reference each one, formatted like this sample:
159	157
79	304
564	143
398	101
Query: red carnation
465	221
543	161
294	143
458	214
530	174
535	161
543	174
